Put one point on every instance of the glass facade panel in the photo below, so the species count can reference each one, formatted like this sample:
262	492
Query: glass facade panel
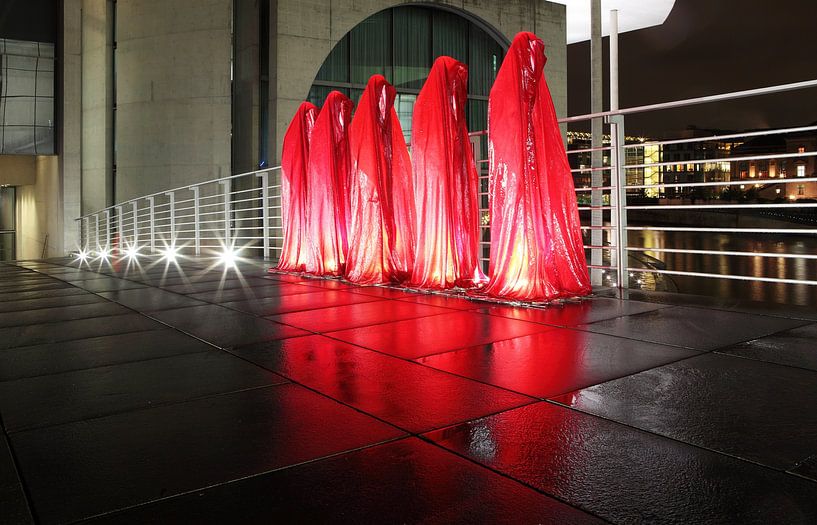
450	35
401	44
371	47
412	47
26	97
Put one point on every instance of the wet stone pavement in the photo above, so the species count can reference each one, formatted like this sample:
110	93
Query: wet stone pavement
194	394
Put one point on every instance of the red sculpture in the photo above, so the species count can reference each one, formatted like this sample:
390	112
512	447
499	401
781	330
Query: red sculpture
328	196
536	241
446	185
381	229
294	158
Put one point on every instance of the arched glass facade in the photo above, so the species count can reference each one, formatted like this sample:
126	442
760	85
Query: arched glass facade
401	44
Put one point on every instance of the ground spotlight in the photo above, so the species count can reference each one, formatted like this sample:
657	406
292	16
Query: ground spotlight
82	255
103	254
228	257
131	252
170	254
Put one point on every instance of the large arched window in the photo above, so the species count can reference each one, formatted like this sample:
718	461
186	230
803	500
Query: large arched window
401	44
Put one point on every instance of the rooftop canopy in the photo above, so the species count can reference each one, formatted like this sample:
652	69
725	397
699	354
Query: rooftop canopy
632	15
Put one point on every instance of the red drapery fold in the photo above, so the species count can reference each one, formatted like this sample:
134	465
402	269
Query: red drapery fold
536	242
381	228
445	182
294	159
328	196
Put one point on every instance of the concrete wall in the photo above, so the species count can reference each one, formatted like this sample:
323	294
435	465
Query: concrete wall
307	30
97	105
39	223
172	94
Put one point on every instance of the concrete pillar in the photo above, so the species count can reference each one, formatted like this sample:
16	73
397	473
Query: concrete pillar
172	94
70	128
97	105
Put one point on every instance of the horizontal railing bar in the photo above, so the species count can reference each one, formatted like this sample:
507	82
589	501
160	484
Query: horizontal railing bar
727	276
780	88
724	159
745	182
588	150
720	206
761	133
799	231
724	252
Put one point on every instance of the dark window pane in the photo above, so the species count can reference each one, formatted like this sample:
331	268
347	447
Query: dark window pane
6	246
450	35
477	118
371	48
412	46
7	203
317	94
336	66
485	57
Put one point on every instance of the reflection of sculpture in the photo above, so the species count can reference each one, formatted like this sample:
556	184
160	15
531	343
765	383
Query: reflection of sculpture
445	182
294	158
328	196
381	233
536	242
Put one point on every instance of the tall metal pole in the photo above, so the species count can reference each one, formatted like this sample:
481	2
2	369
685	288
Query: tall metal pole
613	59
596	141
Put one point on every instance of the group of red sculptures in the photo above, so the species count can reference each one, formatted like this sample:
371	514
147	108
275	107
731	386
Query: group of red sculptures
356	205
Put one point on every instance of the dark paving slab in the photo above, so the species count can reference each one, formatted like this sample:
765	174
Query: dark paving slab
625	475
807	469
695	328
297	303
108	284
407	481
84	394
86	468
731	304
410	396
29	282
13	504
256	292
573	314
445	301
37	334
42	286
440	333
556	361
62	313
81	354
49	302
7	297
797	347
224	327
356	315
758	411
150	299
213	286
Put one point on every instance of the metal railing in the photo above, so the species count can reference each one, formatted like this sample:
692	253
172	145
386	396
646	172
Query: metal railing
243	212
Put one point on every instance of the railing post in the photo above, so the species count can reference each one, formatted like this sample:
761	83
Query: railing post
84	240
172	212
96	230
135	225
196	226
108	244
152	223
227	212
265	211
618	197
120	226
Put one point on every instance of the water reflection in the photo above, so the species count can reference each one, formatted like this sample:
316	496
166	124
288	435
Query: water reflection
756	266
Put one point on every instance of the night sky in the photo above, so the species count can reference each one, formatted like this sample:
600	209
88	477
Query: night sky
707	47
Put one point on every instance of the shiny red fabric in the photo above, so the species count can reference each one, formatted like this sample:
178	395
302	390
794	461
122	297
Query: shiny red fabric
328	195
294	159
381	228
536	241
445	182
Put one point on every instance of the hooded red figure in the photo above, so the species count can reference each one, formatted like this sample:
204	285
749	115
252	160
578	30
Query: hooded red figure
381	226
445	182
537	251
328	181
294	189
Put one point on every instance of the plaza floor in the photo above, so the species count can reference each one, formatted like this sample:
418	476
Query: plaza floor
190	394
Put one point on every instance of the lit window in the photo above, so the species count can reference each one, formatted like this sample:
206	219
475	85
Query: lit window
801	189
801	170
801	149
